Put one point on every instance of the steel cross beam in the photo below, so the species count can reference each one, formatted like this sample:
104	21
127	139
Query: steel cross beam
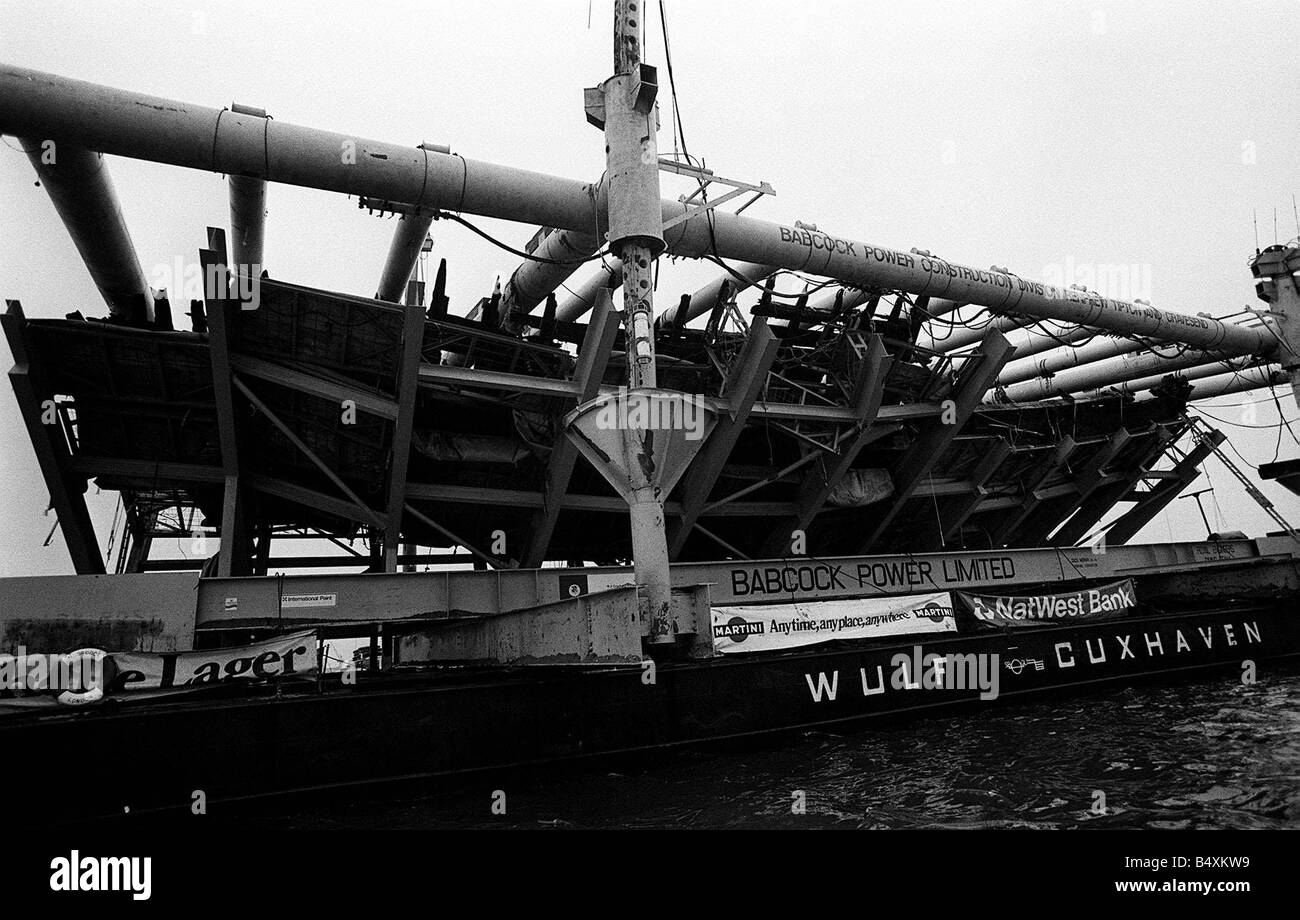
972	383
145	471
1091	478
408	385
282	488
821	480
1032	497
611	504
447	375
491	561
235	540
313	385
1103	498
745	381
51	446
362	511
963	507
593	358
1185	471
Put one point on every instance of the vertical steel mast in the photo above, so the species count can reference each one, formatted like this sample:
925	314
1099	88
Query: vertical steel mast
632	172
636	234
639	458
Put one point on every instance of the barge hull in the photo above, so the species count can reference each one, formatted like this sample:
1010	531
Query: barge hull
151	756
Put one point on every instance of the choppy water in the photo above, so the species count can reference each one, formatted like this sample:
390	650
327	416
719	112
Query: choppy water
1211	753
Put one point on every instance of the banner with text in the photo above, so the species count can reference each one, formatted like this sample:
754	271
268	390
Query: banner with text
1100	603
780	626
283	656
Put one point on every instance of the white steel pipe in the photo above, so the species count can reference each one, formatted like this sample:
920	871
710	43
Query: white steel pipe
1064	358
1035	341
825	302
247	224
1161	359
1142	384
702	301
247	212
403	254
1256	378
163	130
582	296
949	338
559	254
81	190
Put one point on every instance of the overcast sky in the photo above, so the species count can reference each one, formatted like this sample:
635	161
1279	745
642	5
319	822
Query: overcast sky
1032	135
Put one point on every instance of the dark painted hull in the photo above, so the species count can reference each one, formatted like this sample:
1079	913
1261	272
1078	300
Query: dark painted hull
154	756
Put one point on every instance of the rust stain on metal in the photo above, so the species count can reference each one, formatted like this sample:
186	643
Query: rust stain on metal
50	636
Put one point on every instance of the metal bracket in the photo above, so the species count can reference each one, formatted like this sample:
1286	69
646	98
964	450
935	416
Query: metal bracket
707	177
593	102
644	88
385	207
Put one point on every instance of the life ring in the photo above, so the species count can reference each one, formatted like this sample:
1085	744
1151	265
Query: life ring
89	694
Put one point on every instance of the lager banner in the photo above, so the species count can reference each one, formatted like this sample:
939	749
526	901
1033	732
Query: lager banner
283	656
780	626
1101	603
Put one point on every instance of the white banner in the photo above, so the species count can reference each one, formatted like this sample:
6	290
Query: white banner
778	626
284	656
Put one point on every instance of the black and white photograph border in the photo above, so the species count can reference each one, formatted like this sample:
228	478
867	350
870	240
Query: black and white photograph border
705	415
